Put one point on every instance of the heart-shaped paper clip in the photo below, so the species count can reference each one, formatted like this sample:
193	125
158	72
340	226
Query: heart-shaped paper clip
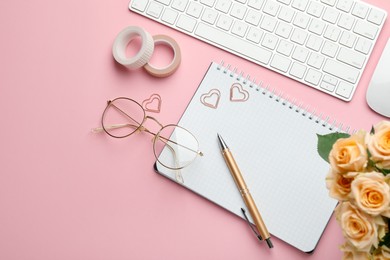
238	93
211	99
152	104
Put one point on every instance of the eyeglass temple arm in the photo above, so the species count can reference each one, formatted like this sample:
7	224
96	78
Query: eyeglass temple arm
100	129
178	175
116	126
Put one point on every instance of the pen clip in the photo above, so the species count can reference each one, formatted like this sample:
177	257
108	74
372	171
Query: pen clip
254	231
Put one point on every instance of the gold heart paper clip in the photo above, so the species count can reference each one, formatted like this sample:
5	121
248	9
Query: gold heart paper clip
238	93
152	104
211	99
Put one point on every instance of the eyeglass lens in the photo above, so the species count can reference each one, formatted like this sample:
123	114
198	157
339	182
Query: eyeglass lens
180	150
122	117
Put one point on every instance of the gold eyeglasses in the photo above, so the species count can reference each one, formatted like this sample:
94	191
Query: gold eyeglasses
124	116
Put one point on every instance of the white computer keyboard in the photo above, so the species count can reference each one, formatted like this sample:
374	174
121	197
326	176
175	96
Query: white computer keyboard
324	44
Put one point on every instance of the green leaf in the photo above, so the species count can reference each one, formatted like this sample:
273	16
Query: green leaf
368	153
385	241
383	171
325	143
372	130
371	163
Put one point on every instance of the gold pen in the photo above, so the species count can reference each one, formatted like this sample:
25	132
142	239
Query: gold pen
249	202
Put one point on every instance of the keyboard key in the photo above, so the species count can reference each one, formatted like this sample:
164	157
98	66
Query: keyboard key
268	23
179	5
139	5
346	21
365	29
299	36
224	22
301	20
253	17
313	76
315	9
300	4
169	16
340	70
164	2
271	7
230	42
315	60
286	2
327	86
194	9
344	5
284	30
238	11
332	33
209	16
286	14
285	47
314	42
351	57
329	49
317	26
376	16
300	54
209	3
256	4
254	34
360	10
154	10
297	70
363	45
344	89
329	2
223	5
329	83
239	28
280	63
347	39
331	80
330	15
186	23
270	41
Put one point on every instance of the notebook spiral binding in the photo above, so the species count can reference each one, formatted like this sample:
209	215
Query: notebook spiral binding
285	101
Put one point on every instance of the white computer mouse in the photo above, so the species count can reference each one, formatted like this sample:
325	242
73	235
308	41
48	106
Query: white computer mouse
378	92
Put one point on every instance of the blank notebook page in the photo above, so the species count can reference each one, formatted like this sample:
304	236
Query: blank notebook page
275	147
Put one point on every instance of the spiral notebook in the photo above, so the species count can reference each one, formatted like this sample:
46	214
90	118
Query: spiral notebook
275	145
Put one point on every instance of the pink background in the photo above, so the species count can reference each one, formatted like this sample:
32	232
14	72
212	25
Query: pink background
66	193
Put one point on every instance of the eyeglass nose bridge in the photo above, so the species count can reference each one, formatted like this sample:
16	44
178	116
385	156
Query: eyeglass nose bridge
144	128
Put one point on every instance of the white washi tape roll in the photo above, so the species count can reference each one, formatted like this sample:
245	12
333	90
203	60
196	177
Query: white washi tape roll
172	67
123	39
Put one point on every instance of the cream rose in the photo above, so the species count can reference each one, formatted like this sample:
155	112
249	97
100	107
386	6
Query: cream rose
359	228
349	154
350	253
382	253
379	144
371	193
339	185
